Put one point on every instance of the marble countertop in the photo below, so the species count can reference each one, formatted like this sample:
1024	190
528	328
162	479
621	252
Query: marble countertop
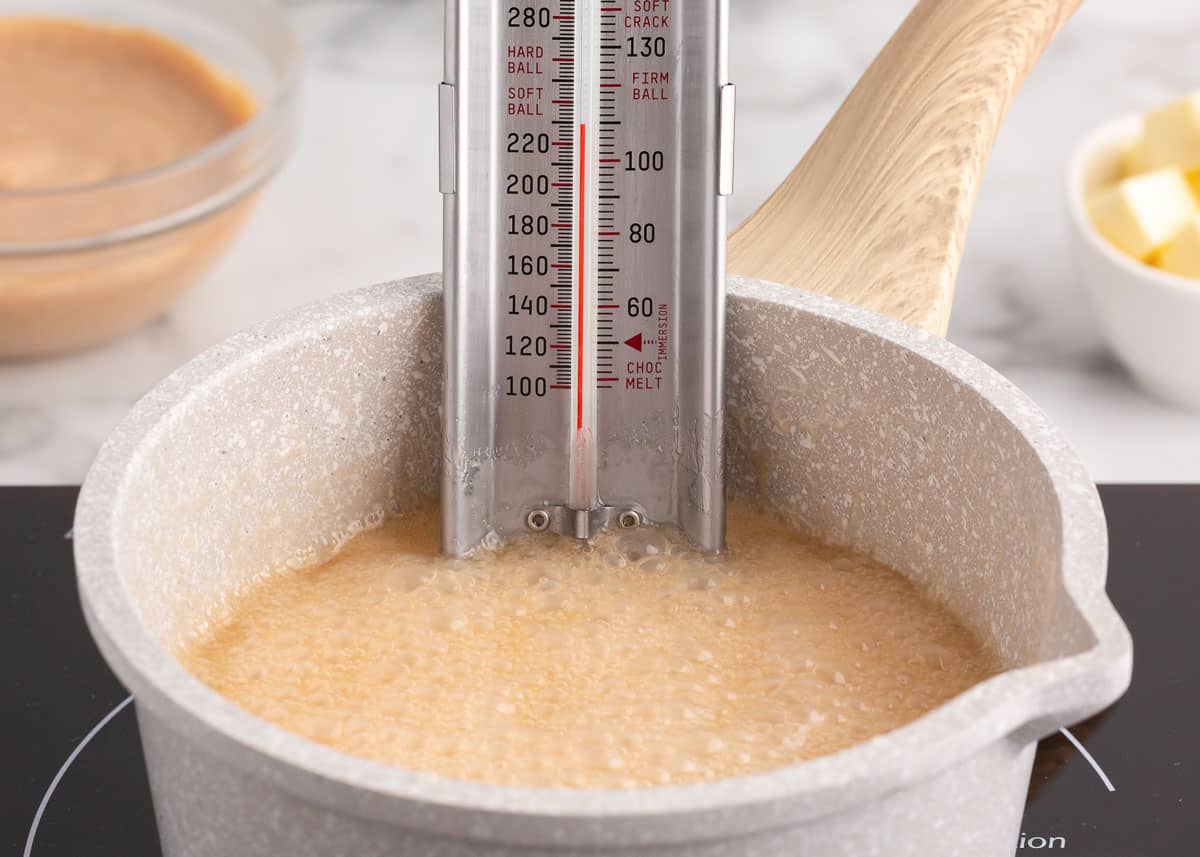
358	204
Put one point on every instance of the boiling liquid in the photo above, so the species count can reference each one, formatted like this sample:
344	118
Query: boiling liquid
633	661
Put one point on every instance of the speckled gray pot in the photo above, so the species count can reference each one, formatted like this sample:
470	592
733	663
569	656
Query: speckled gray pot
854	426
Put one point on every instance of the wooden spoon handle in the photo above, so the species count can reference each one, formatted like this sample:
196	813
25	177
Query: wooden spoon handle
877	211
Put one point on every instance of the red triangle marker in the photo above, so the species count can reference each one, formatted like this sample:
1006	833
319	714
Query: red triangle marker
635	342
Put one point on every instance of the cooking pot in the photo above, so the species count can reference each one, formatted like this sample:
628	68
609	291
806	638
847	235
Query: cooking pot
861	429
852	426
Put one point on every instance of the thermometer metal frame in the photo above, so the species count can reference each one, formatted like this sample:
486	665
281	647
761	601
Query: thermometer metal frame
586	150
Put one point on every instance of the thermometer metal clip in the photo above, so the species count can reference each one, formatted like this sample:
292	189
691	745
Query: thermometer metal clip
586	151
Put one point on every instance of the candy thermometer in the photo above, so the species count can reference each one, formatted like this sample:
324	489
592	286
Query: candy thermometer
586	150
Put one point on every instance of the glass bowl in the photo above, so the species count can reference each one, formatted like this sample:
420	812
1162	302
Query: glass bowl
82	265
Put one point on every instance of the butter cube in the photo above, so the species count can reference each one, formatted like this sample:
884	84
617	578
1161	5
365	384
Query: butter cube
1171	138
1193	178
1182	253
1141	214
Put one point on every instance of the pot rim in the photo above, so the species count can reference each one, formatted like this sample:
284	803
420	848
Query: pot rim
1019	705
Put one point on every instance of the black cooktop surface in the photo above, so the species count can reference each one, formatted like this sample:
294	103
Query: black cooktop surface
1124	784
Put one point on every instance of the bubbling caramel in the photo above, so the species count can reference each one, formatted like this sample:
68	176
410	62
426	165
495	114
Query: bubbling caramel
631	661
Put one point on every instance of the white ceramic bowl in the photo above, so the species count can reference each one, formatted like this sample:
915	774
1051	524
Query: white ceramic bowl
1150	318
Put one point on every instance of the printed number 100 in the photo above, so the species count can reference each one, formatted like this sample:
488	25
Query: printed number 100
525	386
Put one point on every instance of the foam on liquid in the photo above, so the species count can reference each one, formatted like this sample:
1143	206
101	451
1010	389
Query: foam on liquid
633	661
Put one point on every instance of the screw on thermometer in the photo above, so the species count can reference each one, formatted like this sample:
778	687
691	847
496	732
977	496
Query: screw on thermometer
586	152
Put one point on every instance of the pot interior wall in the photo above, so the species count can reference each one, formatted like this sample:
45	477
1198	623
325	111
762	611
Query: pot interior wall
862	442
332	425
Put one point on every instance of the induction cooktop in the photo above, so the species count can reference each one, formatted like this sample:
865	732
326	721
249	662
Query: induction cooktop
1123	784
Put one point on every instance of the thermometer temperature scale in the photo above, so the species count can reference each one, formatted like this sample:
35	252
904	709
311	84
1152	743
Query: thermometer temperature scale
587	148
